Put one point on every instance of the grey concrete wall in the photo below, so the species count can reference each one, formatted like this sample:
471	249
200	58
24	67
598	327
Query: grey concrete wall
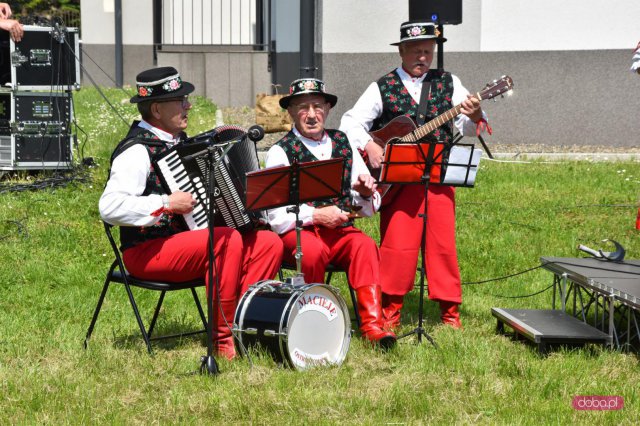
560	97
136	58
228	78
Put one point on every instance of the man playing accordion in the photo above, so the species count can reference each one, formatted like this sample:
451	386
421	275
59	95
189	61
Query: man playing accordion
155	242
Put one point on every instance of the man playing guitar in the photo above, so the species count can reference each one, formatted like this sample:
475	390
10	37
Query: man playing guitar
422	94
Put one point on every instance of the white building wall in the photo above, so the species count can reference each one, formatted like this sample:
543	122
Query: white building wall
517	25
98	22
488	25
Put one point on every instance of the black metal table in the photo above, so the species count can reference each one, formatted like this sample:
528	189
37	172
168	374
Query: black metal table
599	303
603	292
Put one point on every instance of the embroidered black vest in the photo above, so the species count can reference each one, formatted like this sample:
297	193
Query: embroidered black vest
168	224
397	101
297	151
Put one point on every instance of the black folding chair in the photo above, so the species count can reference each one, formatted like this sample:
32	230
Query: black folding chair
118	274
329	271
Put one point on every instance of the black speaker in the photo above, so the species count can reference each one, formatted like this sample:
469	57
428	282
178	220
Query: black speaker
438	11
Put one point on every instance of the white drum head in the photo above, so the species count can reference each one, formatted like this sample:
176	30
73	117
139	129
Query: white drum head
319	328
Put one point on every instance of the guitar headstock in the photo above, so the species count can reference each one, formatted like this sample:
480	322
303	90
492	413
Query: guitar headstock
497	87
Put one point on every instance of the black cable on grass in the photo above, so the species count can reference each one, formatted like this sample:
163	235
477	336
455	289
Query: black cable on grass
502	278
61	178
20	229
547	288
553	263
524	295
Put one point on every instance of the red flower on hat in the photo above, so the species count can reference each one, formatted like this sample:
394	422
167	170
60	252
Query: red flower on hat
143	91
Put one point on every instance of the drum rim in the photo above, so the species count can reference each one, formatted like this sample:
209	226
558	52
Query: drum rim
346	343
283	338
245	302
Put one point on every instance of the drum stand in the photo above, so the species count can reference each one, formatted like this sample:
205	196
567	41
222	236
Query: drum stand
291	186
298	278
208	364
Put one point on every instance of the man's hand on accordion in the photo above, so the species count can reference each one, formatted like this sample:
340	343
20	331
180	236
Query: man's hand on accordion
181	202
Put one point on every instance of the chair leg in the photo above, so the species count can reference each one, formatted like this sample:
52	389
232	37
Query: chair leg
98	308
202	317
329	275
138	319
353	296
155	314
280	276
355	305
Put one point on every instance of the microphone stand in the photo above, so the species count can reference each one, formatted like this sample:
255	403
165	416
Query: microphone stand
208	364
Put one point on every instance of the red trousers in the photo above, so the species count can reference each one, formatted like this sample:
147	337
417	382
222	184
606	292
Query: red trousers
400	237
240	260
347	248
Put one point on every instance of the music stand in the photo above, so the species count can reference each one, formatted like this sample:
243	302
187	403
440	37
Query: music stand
426	163
293	185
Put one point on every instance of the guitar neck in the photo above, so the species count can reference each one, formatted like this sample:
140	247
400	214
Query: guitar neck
432	125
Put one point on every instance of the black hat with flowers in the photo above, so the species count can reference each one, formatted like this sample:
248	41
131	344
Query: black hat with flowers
160	83
418	30
307	86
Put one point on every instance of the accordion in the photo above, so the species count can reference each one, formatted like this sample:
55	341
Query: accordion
185	168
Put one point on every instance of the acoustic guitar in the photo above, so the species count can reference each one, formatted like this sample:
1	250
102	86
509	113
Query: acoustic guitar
402	129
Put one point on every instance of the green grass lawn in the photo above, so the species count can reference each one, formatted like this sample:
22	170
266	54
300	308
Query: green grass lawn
54	257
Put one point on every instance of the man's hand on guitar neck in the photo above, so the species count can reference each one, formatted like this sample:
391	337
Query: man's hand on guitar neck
471	108
375	154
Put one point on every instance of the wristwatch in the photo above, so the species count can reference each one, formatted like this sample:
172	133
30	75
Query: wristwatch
165	202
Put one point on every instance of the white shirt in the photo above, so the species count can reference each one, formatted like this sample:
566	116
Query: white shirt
635	61
122	203
280	220
357	122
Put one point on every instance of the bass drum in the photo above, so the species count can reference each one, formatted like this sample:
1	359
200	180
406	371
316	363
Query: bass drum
301	326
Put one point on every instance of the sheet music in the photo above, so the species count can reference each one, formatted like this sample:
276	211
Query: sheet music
461	160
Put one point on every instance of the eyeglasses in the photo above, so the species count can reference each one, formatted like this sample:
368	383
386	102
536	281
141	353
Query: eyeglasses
184	101
316	106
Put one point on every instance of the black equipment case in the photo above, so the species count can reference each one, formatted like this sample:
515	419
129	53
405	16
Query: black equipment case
35	130
47	58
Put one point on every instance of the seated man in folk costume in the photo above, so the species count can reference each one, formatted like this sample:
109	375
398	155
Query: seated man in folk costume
156	244
328	235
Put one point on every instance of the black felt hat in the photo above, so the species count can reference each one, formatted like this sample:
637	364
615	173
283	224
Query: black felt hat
417	30
160	83
307	86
